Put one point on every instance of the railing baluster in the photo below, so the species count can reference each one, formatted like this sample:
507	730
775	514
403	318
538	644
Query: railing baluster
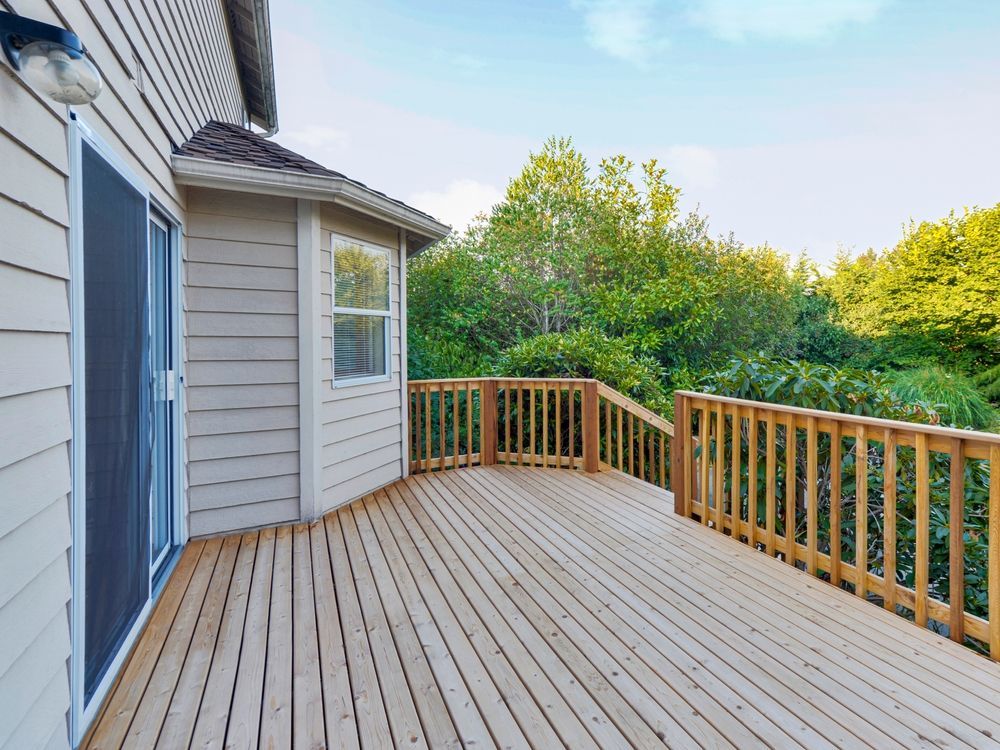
923	523
468	422
558	447
703	466
506	422
956	543
519	400
791	485
571	437
640	448
456	422
442	435
427	429
531	424
631	445
812	512
889	522
752	456
835	501
720	469
621	455
545	425
663	458
416	427
772	483
993	582
861	512
736	501
607	431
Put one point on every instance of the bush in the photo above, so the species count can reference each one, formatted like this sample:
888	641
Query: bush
432	356
587	353
846	390
955	397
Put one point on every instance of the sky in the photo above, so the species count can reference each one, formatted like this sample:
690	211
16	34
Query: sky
810	125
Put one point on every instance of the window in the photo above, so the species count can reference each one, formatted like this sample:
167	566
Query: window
360	312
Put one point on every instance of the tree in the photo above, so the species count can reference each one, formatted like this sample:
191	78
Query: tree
567	249
934	297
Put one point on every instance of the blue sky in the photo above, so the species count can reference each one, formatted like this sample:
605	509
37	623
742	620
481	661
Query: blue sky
808	124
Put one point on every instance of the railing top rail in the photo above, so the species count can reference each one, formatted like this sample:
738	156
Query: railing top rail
651	418
944	432
572	381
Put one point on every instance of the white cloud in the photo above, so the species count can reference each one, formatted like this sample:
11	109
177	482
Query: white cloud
459	203
789	20
620	28
692	167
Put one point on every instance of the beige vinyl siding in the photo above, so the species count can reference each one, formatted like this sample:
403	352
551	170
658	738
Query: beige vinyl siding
34	414
242	350
360	424
182	89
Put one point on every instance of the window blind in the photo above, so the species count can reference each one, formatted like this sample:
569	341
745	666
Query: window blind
361	311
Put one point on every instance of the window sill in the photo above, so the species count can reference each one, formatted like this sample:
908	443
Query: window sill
338	385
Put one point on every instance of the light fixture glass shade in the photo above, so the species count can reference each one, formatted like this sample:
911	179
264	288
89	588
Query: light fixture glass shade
63	74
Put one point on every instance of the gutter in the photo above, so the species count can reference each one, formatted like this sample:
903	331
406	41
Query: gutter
343	191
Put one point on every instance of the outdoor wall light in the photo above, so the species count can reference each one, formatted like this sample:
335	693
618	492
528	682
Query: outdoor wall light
50	58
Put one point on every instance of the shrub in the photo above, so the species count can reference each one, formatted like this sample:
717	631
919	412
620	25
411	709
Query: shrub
955	397
587	353
846	390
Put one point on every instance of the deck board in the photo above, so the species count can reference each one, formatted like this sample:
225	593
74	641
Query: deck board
535	608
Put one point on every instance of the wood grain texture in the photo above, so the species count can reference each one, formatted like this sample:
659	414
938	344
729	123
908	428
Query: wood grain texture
519	607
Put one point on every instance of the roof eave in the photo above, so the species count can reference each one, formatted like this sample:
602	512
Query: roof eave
262	113
208	173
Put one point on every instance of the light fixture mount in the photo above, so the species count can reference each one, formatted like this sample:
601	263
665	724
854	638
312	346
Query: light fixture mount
52	59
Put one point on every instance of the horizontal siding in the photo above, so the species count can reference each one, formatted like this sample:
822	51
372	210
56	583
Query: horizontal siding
244	516
180	53
33	361
361	424
34	417
242	372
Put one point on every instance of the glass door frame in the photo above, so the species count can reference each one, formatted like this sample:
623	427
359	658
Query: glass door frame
83	712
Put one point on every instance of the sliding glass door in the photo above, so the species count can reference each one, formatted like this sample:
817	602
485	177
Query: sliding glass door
124	435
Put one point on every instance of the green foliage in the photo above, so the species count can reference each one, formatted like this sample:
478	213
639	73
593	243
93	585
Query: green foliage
810	386
587	353
933	297
869	394
988	381
954	396
569	249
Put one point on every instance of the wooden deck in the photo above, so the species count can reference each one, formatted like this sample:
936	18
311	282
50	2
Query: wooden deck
520	607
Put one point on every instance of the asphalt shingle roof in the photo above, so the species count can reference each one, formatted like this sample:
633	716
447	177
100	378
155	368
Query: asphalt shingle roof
232	144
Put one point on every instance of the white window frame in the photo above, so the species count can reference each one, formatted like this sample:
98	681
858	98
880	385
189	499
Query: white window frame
82	712
335	309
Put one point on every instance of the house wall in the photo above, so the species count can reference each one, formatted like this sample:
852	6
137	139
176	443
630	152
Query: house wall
361	425
242	349
167	70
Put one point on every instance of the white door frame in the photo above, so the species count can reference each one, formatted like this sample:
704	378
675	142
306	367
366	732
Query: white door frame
83	713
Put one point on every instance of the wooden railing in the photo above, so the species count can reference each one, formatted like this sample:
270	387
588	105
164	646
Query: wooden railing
555	423
853	500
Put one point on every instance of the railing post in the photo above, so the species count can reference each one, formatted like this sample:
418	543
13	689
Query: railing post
488	419
591	424
678	457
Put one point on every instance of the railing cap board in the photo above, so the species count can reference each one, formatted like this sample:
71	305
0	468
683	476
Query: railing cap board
568	381
945	432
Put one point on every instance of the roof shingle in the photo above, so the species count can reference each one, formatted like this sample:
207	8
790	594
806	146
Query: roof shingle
232	144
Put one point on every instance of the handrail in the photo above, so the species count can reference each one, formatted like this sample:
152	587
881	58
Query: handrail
638	410
574	423
802	484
